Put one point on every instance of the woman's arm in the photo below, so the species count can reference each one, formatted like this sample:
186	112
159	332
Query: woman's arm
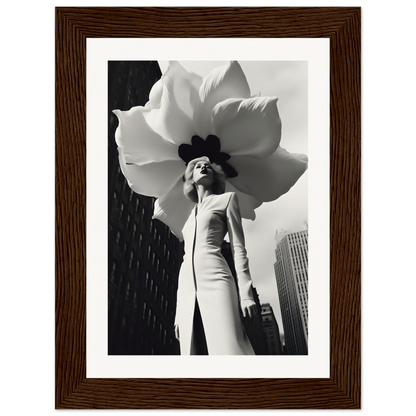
235	231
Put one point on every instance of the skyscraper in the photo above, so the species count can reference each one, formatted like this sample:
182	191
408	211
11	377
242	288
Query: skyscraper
144	257
291	270
271	330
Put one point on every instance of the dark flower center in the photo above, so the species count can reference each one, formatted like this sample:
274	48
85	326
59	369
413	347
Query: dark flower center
210	147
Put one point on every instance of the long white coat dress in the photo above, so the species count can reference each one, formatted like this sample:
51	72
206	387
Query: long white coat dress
206	280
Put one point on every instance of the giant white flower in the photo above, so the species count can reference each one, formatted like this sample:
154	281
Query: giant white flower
188	116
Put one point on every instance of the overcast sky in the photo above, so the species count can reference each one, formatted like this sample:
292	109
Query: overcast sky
289	82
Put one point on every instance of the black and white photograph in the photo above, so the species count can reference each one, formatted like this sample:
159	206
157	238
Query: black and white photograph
208	208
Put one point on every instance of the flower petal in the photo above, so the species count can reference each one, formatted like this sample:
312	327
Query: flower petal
173	209
140	144
227	81
173	120
153	179
247	203
155	95
267	179
249	127
185	84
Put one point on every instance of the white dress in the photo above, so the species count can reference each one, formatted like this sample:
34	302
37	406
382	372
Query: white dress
206	280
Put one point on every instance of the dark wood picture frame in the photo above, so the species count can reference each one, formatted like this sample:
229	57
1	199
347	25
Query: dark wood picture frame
343	27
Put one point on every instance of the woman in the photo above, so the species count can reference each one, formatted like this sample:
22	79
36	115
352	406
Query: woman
208	317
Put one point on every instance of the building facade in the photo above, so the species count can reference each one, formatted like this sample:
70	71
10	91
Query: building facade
271	330
291	270
144	257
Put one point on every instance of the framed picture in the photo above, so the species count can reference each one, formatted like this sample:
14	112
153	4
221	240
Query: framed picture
98	350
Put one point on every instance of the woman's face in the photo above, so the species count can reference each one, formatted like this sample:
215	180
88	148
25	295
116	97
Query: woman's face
203	173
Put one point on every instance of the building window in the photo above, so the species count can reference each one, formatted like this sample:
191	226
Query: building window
113	273
127	290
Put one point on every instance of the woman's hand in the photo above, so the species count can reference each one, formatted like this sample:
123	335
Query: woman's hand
176	329
249	308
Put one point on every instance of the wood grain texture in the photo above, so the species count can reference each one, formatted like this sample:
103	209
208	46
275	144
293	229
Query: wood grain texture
342	389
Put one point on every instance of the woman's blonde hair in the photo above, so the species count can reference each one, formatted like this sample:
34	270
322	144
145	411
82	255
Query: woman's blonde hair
218	184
